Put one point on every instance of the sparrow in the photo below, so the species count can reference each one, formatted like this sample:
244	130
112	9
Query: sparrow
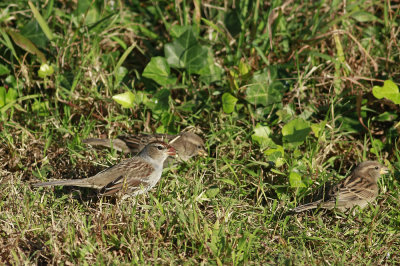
186	144
359	189
131	177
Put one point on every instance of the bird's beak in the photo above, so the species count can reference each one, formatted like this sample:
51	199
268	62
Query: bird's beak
384	170
171	151
202	153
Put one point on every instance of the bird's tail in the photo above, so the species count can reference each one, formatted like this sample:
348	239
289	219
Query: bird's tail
67	182
308	206
117	144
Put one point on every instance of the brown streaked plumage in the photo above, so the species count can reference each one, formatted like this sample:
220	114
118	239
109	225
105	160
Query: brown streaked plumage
359	189
131	177
186	144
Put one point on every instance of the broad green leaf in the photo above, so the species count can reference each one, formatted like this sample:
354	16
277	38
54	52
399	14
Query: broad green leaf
317	127
158	70
264	90
120	73
33	32
285	114
11	95
185	52
295	132
276	155
228	102
177	30
175	52
4	70
295	180
389	90
160	101
211	72
26	44
244	68
232	22
141	98
125	99
261	136
196	59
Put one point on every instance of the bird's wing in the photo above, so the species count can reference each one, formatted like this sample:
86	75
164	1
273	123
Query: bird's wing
133	168
124	185
353	188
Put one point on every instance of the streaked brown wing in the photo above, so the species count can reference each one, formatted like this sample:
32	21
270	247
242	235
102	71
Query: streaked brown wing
123	185
133	168
355	188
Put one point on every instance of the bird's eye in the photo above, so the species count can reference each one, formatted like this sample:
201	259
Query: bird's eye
160	148
199	147
376	167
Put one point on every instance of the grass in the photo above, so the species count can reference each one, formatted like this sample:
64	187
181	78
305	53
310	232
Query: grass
314	63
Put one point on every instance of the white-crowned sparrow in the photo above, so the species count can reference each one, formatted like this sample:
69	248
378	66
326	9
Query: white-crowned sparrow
186	144
358	189
130	177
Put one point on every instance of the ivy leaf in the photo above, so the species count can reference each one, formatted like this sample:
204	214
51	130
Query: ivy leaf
159	102
177	30
228	102
317	128
125	99
276	155
295	132
11	95
295	180
211	72
264	90
185	52
389	90
261	136
158	70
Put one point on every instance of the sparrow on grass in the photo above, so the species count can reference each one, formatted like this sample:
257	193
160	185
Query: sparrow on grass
186	144
131	177
359	189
